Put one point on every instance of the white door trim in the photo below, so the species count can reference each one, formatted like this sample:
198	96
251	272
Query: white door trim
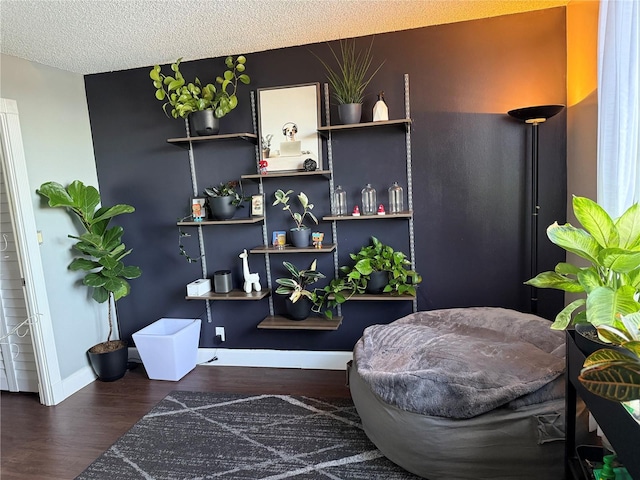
21	201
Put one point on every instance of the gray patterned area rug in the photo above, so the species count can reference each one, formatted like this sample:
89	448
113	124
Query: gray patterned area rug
192	435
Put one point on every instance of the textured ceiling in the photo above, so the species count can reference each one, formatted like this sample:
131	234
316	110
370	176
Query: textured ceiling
92	36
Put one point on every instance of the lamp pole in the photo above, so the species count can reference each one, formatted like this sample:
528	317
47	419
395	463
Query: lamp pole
534	116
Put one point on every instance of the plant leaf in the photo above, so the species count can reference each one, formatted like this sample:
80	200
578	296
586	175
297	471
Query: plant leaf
604	303
596	221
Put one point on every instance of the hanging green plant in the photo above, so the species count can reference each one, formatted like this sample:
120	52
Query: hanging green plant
187	97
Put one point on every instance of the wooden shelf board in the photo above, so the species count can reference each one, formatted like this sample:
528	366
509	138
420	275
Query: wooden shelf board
406	214
278	322
223	222
403	122
232	295
326	248
184	142
285	173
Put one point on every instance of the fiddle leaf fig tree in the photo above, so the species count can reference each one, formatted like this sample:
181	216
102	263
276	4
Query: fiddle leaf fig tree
100	248
612	281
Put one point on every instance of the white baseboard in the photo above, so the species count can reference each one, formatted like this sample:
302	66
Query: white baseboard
228	357
71	384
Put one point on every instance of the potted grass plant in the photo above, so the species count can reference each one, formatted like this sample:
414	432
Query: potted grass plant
100	254
300	234
205	104
349	78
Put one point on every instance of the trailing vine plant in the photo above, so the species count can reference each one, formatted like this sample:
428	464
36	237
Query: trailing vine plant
181	235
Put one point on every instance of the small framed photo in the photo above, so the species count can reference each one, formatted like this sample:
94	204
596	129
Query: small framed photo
198	209
257	205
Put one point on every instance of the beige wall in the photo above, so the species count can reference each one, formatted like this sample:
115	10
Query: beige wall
56	134
582	108
582	97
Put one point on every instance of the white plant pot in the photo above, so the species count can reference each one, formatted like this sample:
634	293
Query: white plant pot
168	347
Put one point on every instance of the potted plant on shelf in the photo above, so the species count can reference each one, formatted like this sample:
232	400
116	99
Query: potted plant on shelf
301	234
350	79
224	199
380	269
300	300
266	145
101	252
203	104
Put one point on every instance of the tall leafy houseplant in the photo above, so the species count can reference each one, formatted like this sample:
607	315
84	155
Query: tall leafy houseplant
100	252
611	283
187	97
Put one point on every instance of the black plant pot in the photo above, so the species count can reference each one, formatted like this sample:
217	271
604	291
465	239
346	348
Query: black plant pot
204	122
300	309
222	208
350	113
300	237
588	342
377	282
111	365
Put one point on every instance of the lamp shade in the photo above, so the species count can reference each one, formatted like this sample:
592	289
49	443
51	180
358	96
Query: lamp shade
537	114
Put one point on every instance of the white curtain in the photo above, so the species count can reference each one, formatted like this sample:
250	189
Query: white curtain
619	105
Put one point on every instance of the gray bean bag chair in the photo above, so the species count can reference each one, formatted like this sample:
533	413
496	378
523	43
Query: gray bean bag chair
469	393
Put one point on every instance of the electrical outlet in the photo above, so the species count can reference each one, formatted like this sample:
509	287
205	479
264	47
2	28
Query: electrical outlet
220	333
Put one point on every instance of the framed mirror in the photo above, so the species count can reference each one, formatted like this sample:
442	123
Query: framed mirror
288	121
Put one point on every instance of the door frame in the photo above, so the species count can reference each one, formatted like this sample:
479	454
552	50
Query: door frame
37	301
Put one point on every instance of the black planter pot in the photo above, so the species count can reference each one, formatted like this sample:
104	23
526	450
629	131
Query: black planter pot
300	237
300	309
221	208
204	122
350	113
588	342
377	282
111	365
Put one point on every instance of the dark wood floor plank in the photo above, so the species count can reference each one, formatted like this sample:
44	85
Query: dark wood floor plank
58	443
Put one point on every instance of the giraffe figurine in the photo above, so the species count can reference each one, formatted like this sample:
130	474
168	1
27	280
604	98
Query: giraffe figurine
250	279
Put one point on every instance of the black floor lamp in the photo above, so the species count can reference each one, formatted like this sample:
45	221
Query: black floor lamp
535	116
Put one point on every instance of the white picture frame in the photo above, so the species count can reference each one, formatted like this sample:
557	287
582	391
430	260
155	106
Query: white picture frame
291	116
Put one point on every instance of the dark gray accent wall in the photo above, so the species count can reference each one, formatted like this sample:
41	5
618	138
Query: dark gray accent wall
470	173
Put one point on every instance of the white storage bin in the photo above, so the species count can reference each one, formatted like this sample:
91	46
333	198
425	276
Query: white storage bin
168	347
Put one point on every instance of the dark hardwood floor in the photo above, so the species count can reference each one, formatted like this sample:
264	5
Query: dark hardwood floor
59	442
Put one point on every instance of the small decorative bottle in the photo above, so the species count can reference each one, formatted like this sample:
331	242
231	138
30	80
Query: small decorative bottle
380	109
340	201
396	202
369	205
